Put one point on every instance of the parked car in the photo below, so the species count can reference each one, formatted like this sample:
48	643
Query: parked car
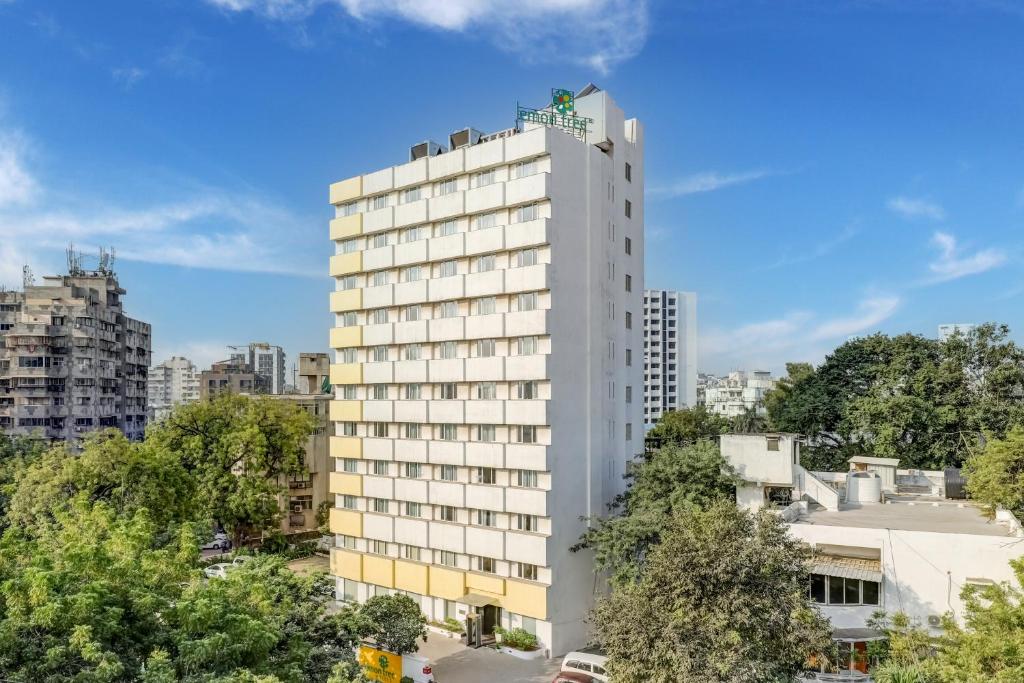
218	571
219	542
240	560
572	677
588	663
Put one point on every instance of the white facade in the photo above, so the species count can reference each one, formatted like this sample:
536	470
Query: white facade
670	352
171	383
488	342
739	392
267	361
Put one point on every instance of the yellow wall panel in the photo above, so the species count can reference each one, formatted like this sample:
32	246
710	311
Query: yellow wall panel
347	522
447	583
379	570
346	484
346	411
346	190
485	584
346	300
347	564
346	447
529	599
346	373
346	264
411	576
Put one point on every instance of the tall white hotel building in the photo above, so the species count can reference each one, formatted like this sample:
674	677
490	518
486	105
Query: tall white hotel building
489	368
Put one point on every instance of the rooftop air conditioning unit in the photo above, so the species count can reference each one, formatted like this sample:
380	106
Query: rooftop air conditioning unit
934	620
427	148
464	138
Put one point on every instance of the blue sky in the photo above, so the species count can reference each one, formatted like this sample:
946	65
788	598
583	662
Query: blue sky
814	170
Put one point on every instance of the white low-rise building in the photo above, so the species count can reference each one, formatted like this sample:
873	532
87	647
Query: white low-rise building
884	538
739	392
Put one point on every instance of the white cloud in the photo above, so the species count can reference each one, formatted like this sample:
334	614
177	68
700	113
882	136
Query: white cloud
952	263
870	313
596	33
17	185
707	181
127	77
911	208
818	251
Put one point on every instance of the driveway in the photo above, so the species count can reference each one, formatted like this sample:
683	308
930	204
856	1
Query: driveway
453	662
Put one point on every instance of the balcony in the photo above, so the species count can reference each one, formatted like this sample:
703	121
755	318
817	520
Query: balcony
527	190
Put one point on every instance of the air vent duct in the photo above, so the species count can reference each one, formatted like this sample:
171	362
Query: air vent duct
464	138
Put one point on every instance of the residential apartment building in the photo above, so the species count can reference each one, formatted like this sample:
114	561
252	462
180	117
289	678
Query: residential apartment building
314	373
71	361
670	352
233	375
739	392
172	383
307	492
268	362
884	538
488	344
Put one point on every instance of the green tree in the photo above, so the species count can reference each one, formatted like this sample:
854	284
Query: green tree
16	454
395	622
687	425
671	479
995	475
749	422
237	448
721	599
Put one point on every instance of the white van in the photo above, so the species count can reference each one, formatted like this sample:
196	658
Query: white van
588	663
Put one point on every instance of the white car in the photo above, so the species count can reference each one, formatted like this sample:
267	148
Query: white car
240	560
219	542
589	663
218	571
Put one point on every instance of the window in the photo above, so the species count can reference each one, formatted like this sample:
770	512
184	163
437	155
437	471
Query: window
412	430
380	354
629	358
347	542
447	558
447	514
413	510
379	547
486	220
380	278
484	348
413	392
380	202
485	264
447	186
348	319
526	571
524	168
349	246
526	478
380	316
629	209
413	351
486	518
413	194
484	178
629	394
413	470
412	234
348	355
380	392
486	475
526	346
526	257
413	313
629	431
379	504
448	473
446	269
629	283
412	274
526	390
349	282
526	434
349	392
448	309
348	428
448	350
527	301
449	227
487	391
629	320
380	430
486	564
629	173
773	443
411	552
448	432
380	467
485	433
526	522
486	306
350	465
380	240
348	502
836	590
447	391
348	208
629	246
526	213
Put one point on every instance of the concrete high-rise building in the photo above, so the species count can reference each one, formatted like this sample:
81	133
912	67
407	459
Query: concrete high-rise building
489	348
670	352
267	361
172	383
71	361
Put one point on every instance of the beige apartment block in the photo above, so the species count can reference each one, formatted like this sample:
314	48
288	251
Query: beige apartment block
71	361
488	381
305	493
172	383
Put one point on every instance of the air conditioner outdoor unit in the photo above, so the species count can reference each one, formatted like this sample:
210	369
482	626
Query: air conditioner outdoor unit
934	620
464	138
427	148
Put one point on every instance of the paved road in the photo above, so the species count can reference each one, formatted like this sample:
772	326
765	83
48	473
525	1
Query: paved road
456	663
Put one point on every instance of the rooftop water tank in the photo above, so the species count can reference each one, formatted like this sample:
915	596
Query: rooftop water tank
863	488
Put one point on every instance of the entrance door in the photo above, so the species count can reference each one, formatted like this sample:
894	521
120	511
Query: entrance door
491	618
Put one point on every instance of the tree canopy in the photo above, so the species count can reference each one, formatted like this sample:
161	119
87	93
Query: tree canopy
722	598
995	475
924	401
688	425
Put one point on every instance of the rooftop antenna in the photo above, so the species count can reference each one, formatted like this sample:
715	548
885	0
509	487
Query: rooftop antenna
27	278
74	260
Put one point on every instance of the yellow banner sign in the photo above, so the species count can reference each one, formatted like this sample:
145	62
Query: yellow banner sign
380	665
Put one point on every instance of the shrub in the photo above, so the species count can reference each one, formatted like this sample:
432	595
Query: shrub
453	624
517	638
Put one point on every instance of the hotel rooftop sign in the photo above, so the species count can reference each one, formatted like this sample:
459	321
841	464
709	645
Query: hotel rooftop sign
561	113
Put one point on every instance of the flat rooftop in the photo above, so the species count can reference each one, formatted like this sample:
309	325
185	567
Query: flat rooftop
910	513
